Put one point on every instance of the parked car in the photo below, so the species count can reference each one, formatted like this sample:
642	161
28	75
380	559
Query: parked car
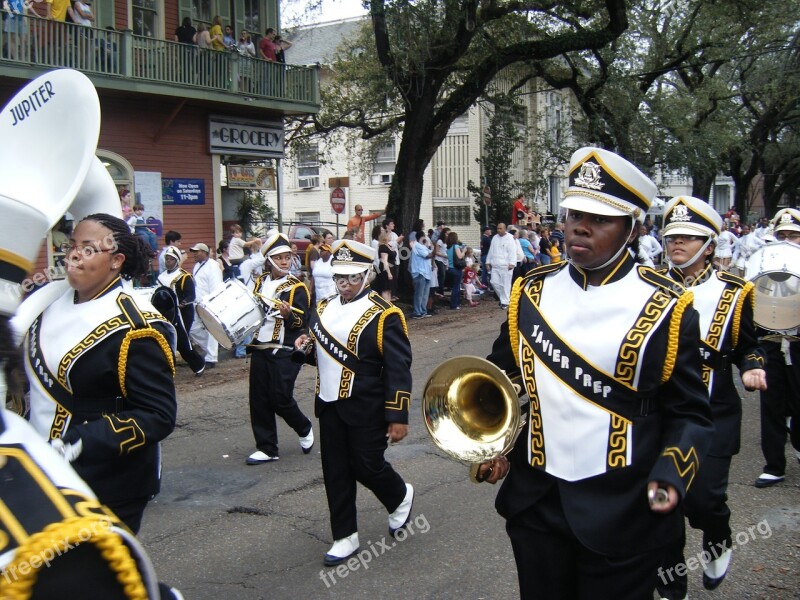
301	233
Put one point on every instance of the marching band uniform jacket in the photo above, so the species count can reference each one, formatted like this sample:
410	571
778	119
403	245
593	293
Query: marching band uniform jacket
616	401
364	359
182	283
725	304
287	289
102	371
42	492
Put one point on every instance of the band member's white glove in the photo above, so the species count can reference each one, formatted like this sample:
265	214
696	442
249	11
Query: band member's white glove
70	452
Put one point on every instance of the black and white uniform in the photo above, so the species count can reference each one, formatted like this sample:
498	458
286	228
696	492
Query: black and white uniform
102	371
781	399
177	305
272	371
725	304
363	383
616	401
41	492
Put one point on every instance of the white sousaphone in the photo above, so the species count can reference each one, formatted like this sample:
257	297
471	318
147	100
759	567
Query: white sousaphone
774	270
55	117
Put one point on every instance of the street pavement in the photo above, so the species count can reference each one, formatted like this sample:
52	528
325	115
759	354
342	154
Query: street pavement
221	529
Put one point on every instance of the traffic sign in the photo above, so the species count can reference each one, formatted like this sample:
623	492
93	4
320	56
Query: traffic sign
487	195
337	200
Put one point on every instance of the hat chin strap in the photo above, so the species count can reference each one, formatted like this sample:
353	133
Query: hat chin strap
692	260
618	252
276	267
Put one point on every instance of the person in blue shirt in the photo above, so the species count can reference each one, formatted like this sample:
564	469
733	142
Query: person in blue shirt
421	275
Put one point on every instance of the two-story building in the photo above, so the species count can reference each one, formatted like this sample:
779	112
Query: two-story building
185	129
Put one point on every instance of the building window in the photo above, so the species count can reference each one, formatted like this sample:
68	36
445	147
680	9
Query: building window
722	198
252	17
201	12
308	167
383	167
452	215
145	18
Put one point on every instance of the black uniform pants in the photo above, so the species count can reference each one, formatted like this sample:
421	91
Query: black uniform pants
780	400
706	507
272	393
185	349
552	564
355	454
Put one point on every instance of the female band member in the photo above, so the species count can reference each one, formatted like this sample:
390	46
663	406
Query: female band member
363	395
727	336
101	368
619	420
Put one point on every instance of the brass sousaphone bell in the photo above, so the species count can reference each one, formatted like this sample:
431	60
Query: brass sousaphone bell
471	410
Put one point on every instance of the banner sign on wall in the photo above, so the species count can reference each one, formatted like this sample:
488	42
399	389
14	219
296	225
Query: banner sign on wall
251	178
183	191
147	185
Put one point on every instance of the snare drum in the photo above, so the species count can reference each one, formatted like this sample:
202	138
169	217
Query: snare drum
230	313
774	270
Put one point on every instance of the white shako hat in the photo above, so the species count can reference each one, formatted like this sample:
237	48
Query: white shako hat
787	219
685	215
174	253
277	243
603	183
40	180
351	257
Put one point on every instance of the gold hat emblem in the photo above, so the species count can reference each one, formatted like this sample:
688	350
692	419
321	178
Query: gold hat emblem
589	176
786	218
680	213
344	255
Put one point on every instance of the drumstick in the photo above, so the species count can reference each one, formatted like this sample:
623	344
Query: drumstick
278	303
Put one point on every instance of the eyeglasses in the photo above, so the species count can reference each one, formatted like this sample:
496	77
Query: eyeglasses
792	236
86	250
359	209
671	239
352	279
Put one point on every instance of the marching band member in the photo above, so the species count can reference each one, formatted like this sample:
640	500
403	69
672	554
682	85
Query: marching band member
175	300
619	417
272	371
725	303
56	539
782	398
363	395
101	367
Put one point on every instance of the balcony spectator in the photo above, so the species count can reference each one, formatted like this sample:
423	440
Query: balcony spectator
16	26
203	38
217	40
247	51
82	13
185	33
56	10
267	48
281	44
228	39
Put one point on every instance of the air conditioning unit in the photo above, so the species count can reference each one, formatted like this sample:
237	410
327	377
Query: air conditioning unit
382	179
307	183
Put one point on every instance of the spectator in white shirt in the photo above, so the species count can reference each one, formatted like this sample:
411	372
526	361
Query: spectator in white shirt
649	248
207	277
501	262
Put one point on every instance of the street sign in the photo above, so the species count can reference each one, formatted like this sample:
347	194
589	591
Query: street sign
487	195
337	200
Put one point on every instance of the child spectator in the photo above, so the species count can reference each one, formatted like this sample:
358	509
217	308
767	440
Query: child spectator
139	226
469	279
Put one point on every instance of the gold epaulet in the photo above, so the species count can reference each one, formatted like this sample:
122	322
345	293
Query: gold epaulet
387	309
543	270
376	298
684	300
732	279
660	280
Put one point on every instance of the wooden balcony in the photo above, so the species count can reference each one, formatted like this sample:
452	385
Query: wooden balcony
120	60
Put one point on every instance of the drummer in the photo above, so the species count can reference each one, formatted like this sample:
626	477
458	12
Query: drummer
727	337
782	398
272	371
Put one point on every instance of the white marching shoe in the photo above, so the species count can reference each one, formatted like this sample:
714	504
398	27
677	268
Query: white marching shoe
259	458
714	572
400	517
307	442
342	550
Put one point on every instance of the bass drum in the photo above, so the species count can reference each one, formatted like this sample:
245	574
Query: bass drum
774	270
230	313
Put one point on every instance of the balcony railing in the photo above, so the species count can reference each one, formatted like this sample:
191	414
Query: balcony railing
111	53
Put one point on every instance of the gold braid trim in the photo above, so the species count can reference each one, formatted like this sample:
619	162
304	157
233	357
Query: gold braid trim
737	311
513	317
57	539
685	300
135	334
389	311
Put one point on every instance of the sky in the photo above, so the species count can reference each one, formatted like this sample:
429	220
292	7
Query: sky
332	10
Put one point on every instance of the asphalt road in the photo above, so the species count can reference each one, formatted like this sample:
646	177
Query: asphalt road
221	529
